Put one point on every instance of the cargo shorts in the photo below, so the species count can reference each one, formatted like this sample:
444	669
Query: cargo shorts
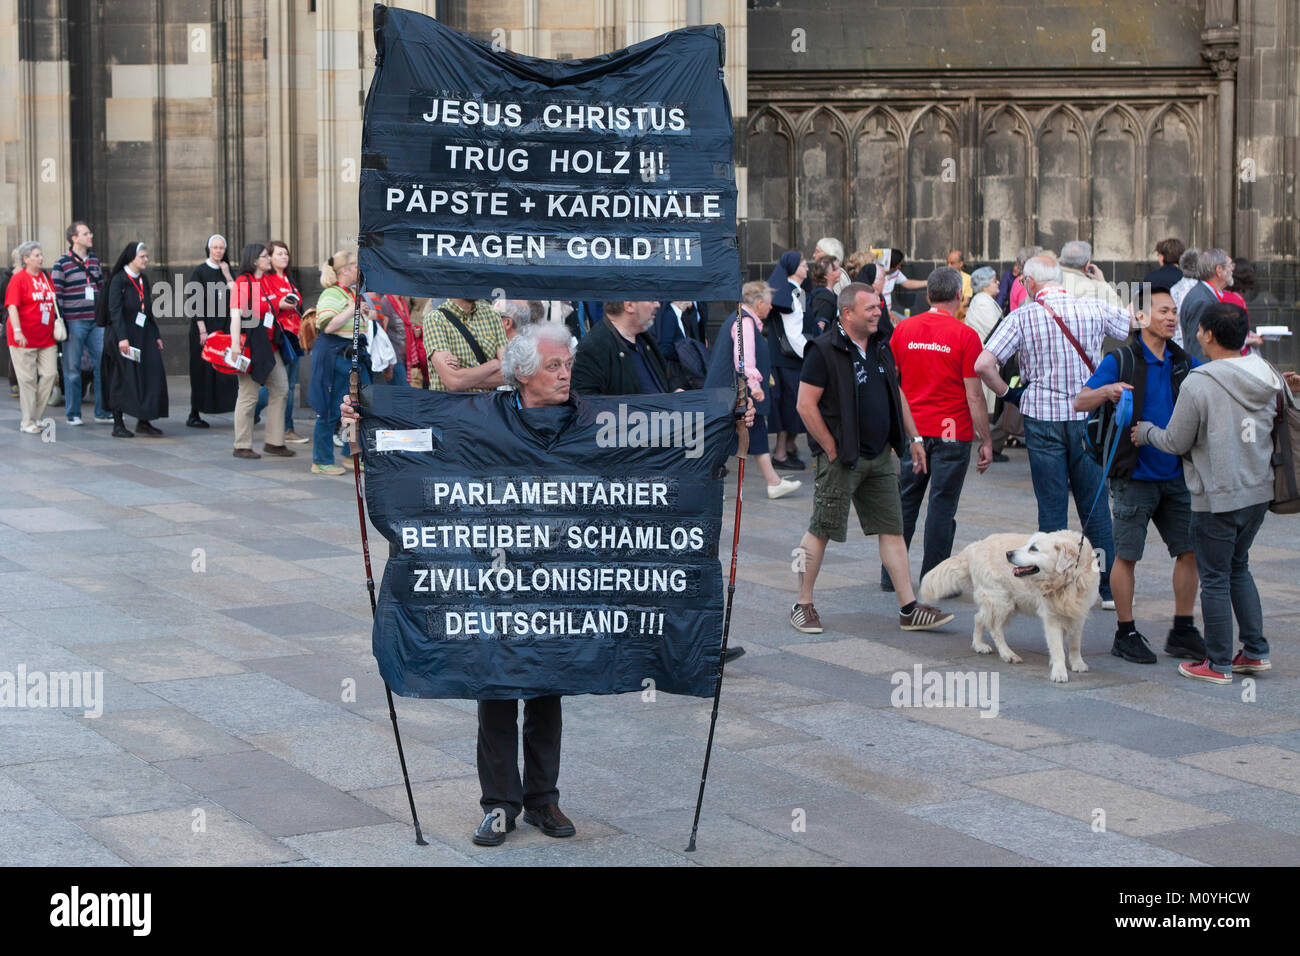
1135	504
871	485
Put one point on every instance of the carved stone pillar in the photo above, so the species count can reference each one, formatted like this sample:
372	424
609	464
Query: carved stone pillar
1221	52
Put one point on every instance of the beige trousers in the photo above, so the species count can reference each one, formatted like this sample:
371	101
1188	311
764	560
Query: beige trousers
277	387
36	370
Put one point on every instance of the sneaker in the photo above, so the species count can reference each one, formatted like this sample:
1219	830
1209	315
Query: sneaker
923	618
13	391
803	618
30	429
103	419
1203	671
1241	664
782	489
1133	647
1188	644
338	440
74	421
291	437
331	470
1107	603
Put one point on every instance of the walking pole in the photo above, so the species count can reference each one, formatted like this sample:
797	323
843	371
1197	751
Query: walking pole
742	448
354	389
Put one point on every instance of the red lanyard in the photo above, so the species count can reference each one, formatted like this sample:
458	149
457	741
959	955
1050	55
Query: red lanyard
139	288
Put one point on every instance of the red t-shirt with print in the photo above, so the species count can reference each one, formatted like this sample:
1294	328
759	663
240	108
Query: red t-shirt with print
935	354
34	297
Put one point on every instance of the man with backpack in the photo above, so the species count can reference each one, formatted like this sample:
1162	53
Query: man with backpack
1222	424
1146	484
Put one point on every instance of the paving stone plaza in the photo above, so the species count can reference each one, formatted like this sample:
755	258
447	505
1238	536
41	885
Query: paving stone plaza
224	603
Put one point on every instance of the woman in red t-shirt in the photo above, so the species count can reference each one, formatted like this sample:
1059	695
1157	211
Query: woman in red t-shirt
29	300
252	313
286	301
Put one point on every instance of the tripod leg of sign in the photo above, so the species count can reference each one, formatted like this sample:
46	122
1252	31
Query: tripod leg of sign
742	448
355	389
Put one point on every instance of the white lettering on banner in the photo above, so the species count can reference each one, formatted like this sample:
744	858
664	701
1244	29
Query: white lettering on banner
545	580
459	202
929	346
473	113
490	246
477	536
579	492
536	623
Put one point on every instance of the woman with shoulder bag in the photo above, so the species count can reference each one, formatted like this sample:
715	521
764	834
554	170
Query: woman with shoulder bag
33	352
132	373
331	358
252	314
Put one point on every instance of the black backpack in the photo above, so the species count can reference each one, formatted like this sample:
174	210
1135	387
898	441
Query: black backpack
1099	429
693	357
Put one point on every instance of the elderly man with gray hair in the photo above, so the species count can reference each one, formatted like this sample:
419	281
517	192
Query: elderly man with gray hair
1213	275
516	315
1058	337
1080	275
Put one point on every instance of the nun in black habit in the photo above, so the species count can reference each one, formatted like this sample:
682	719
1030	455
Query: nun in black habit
211	392
134	382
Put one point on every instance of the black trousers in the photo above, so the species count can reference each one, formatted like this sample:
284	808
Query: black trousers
498	754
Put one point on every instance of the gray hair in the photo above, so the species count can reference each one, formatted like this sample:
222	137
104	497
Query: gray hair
1187	262
25	250
519	313
523	356
1043	269
755	292
1208	261
832	247
1025	254
849	294
982	277
1076	254
944	285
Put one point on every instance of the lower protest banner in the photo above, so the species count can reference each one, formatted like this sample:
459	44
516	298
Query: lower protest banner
569	549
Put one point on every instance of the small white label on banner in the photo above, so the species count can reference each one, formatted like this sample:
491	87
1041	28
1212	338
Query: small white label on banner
411	439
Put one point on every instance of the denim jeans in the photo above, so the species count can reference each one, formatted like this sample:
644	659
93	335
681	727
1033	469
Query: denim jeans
1222	545
399	375
1059	466
946	465
82	333
327	419
263	396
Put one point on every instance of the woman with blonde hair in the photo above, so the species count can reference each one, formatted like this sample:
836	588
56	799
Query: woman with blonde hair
331	357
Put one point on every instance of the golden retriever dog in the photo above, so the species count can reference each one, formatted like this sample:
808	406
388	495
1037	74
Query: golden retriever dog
1007	575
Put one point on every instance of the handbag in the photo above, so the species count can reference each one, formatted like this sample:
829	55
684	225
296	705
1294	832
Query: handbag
782	341
214	352
60	327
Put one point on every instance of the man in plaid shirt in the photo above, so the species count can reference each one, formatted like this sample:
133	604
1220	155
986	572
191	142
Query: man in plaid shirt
454	365
1056	372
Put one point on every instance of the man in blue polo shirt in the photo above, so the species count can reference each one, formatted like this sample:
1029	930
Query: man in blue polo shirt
1147	484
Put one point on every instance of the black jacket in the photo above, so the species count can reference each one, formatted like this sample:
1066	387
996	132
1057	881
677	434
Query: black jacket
604	365
839	402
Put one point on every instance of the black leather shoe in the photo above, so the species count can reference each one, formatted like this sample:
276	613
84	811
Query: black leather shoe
1188	644
795	463
551	821
144	428
278	450
490	833
734	652
999	457
785	464
195	422
121	431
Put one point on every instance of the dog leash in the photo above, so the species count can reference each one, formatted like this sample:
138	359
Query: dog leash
1123	418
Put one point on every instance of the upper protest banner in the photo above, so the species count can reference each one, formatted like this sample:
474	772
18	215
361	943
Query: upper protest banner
488	174
569	549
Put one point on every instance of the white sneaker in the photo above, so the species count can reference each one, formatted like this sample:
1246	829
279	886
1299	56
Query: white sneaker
74	421
103	420
1108	604
338	440
786	486
30	429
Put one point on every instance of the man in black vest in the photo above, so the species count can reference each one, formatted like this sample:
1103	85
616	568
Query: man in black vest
619	356
856	415
1147	484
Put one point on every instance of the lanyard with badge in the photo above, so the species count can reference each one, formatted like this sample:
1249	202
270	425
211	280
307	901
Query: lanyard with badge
43	296
138	285
85	271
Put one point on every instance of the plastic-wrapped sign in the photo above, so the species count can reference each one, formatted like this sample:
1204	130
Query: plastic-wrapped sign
570	549
486	173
